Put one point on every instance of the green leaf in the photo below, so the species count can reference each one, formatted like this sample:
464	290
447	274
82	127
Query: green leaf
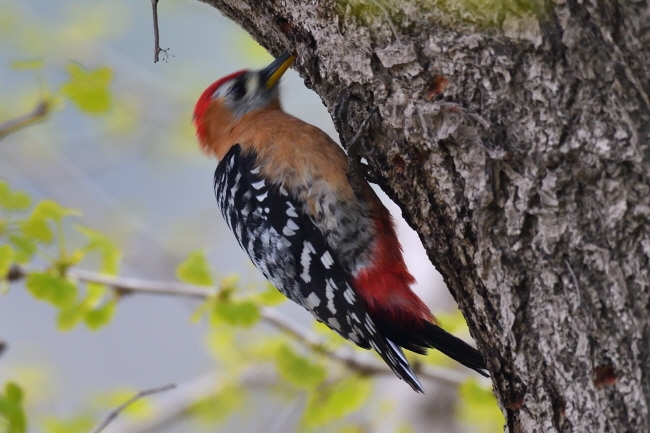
74	258
36	228
220	342
88	89
336	401
10	200
13	392
220	405
79	424
478	407
69	317
240	313
203	309
55	290
195	270
229	283
298	370
88	310
51	210
271	296
12	414
94	293
6	259
26	64
266	349
109	252
101	316
25	248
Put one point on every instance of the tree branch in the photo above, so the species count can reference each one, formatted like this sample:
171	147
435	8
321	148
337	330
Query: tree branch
111	416
156	35
39	113
364	365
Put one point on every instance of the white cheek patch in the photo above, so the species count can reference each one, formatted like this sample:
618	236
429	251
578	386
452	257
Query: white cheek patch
252	84
223	90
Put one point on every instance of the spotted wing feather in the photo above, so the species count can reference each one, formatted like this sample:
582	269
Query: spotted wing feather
287	247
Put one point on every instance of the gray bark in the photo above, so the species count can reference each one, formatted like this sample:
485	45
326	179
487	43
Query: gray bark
515	137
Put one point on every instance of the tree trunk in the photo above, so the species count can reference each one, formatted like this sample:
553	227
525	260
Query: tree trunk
514	135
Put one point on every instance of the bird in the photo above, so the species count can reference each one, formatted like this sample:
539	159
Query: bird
285	190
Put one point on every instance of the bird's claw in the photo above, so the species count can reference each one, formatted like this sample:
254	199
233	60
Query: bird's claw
358	168
353	146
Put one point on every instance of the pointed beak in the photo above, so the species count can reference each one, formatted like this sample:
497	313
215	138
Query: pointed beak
272	73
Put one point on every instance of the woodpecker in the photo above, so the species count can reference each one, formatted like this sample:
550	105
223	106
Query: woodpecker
284	189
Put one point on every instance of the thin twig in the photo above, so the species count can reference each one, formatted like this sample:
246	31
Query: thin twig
366	365
39	113
111	416
156	35
174	406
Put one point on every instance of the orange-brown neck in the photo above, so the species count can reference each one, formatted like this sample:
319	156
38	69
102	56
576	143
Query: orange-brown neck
217	129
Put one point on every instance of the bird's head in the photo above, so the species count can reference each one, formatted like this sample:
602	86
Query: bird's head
230	98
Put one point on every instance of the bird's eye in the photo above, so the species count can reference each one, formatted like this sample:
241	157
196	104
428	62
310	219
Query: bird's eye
238	90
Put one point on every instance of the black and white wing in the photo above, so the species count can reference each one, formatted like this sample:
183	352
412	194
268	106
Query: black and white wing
291	252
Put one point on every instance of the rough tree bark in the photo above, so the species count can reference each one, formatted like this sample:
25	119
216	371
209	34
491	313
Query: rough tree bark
514	135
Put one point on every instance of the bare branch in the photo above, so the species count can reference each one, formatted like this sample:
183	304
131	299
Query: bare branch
143	286
39	113
365	365
111	416
156	35
173	406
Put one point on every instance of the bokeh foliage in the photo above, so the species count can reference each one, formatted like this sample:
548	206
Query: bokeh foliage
34	247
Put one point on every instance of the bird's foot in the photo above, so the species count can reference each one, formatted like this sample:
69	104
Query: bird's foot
354	145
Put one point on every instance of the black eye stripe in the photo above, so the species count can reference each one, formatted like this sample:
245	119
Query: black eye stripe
238	90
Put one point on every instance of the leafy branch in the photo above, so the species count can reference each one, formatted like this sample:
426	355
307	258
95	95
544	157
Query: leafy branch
363	365
92	297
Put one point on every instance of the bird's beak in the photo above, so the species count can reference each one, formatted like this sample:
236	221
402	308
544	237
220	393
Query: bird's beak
272	73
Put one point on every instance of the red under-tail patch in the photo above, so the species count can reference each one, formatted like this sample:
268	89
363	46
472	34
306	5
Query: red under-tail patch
385	285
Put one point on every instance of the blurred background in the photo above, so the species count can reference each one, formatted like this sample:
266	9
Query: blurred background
134	172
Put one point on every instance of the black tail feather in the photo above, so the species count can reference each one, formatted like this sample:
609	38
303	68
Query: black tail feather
455	348
433	336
